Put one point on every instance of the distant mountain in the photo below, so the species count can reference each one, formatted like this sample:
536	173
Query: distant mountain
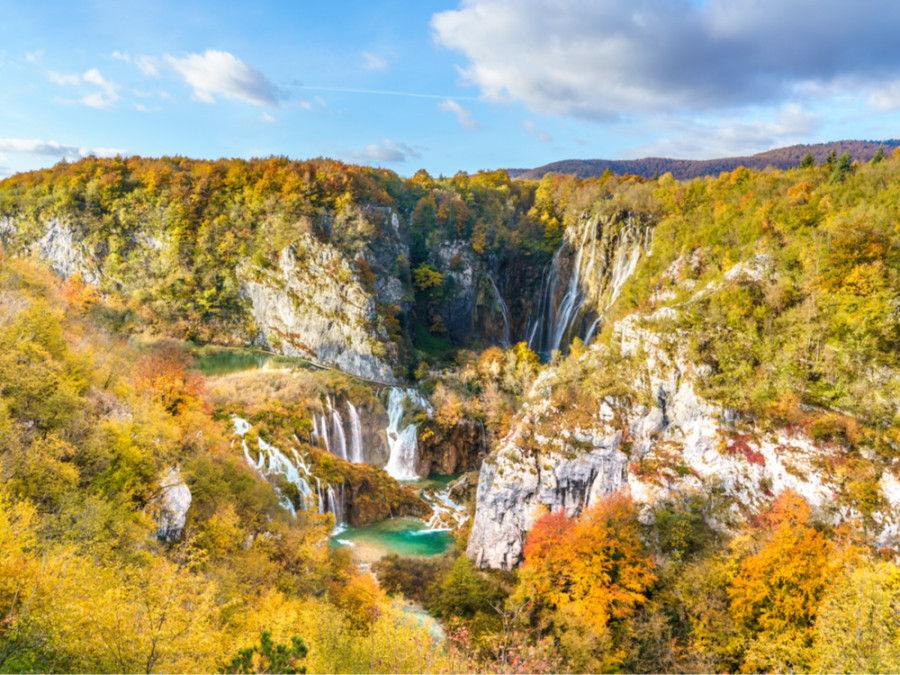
779	158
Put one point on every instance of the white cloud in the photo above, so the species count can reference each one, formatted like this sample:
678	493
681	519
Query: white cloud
148	65
267	118
605	59
386	151
53	149
107	91
221	73
730	137
463	115
886	97
373	61
532	129
35	56
62	80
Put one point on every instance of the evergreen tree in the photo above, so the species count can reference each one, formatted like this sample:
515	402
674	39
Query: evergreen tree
879	156
272	658
842	168
807	162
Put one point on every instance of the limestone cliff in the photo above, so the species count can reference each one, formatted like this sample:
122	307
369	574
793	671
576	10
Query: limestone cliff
650	433
313	305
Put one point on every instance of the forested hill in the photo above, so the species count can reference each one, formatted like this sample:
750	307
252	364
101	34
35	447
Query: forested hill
701	472
684	169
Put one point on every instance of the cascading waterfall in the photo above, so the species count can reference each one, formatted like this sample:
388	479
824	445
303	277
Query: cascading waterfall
503	311
357	452
402	442
601	265
340	440
336	440
296	471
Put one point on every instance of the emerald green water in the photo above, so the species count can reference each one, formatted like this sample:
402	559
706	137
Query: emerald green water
404	536
216	363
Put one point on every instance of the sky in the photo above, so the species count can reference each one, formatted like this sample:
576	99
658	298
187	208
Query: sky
446	86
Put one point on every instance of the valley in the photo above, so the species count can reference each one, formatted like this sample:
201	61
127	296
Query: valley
604	424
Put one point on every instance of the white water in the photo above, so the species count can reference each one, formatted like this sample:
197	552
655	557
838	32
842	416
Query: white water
447	513
402	441
340	440
296	471
551	324
503	311
357	452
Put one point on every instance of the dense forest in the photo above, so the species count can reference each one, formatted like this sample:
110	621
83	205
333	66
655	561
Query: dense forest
780	289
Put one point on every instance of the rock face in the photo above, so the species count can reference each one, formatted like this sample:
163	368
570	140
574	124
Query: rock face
597	256
663	444
60	248
171	506
314	306
449	451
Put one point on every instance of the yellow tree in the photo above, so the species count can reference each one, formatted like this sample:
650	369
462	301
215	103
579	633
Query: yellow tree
776	593
593	572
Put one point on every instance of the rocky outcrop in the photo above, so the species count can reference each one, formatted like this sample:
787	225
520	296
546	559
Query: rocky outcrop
314	306
65	254
662	443
171	505
450	451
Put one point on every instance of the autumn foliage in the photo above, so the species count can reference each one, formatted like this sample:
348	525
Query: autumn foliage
592	569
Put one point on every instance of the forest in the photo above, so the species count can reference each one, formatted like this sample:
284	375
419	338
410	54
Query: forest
101	398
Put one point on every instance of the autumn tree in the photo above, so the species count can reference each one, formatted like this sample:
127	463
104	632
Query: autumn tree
776	592
591	572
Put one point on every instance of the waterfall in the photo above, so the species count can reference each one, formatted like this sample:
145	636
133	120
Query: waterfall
503	311
334	506
402	442
340	440
357	452
323	429
603	261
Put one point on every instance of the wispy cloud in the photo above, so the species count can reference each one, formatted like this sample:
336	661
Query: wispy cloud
373	61
267	118
148	65
463	115
53	149
532	129
386	151
730	137
106	91
35	56
216	73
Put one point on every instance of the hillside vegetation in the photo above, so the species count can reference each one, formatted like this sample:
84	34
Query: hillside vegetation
775	295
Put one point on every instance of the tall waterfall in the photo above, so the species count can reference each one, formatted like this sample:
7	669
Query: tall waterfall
340	439
604	258
402	441
336	441
503	311
357	452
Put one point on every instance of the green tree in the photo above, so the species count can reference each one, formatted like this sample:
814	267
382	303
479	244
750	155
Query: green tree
807	162
268	657
879	156
841	168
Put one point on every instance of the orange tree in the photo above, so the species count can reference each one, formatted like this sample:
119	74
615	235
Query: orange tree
776	592
588	575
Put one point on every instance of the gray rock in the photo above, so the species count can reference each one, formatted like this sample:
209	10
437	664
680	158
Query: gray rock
314	307
171	506
65	255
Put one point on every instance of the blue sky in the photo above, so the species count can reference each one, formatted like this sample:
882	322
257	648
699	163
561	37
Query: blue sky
445	86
